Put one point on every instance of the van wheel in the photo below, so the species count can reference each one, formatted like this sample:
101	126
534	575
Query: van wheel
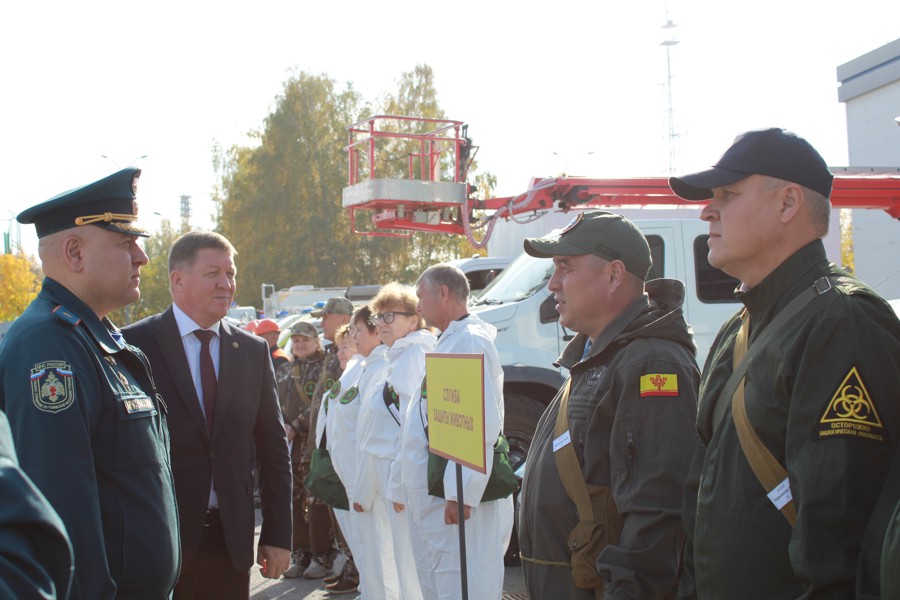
522	416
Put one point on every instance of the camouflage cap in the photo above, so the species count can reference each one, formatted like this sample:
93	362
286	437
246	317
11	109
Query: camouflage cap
304	328
337	305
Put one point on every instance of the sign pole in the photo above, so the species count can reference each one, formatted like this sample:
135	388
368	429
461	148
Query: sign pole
461	512
455	430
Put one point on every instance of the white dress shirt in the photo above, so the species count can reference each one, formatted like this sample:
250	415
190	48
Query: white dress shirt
192	346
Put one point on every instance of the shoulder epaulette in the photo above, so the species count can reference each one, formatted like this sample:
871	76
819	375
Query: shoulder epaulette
66	316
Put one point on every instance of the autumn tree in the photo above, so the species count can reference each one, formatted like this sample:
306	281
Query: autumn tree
280	202
417	96
20	283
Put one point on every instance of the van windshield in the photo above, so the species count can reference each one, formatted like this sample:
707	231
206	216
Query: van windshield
520	280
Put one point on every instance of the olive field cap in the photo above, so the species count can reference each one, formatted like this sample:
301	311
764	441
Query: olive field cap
338	304
108	203
304	328
267	326
604	234
773	152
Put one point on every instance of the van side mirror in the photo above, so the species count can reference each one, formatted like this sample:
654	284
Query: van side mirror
547	312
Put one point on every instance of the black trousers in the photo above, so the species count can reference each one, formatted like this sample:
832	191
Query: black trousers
211	575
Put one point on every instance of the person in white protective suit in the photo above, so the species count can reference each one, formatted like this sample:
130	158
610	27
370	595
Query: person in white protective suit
342	420
376	434
403	331
332	426
443	292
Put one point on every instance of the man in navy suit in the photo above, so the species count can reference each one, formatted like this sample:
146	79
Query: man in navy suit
224	418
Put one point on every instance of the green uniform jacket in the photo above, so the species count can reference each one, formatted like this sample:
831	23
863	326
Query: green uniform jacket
628	434
35	555
823	397
890	558
91	433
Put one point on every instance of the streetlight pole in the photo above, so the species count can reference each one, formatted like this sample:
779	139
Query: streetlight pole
10	242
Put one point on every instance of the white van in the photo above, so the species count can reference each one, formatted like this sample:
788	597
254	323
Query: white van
481	270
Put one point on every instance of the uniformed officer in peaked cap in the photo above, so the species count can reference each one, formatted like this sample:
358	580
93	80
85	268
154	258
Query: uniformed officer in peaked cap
89	428
109	203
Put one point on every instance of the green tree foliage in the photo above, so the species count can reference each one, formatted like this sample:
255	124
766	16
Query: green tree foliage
280	202
154	278
19	284
848	258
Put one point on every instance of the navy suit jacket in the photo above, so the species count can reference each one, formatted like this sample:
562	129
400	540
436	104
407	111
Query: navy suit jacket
247	427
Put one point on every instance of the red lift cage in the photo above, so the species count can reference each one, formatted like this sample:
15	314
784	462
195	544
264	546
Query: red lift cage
438	198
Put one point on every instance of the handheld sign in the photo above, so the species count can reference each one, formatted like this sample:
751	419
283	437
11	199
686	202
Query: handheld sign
455	398
455	387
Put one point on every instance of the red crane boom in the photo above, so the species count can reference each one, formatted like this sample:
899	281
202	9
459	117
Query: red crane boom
435	196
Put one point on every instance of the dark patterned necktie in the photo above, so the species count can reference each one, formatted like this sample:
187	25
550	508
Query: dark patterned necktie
207	376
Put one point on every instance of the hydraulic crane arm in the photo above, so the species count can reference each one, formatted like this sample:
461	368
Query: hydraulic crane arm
436	198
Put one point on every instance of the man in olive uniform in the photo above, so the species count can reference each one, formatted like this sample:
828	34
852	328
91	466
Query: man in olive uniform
623	421
35	554
821	406
89	428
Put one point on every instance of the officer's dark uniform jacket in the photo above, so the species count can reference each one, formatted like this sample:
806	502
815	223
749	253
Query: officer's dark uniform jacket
91	433
35	555
823	397
640	446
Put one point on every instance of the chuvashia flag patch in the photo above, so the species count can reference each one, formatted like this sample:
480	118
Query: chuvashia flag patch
659	384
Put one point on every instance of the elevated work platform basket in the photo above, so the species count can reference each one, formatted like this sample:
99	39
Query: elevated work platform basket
429	198
430	192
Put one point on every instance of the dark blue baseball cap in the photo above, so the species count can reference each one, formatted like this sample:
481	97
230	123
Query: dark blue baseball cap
773	152
108	203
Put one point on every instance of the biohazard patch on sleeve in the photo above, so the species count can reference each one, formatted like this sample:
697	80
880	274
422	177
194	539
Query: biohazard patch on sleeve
52	386
659	384
851	412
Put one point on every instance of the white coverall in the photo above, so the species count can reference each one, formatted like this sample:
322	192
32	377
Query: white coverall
489	528
376	433
406	369
340	420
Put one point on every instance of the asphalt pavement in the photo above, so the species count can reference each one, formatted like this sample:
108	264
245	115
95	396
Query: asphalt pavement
305	589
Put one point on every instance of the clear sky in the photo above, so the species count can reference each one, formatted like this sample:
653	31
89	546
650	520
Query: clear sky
545	86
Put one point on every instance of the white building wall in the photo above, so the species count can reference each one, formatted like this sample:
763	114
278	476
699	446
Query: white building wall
870	89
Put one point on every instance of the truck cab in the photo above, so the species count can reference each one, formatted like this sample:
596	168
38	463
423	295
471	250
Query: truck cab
481	270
